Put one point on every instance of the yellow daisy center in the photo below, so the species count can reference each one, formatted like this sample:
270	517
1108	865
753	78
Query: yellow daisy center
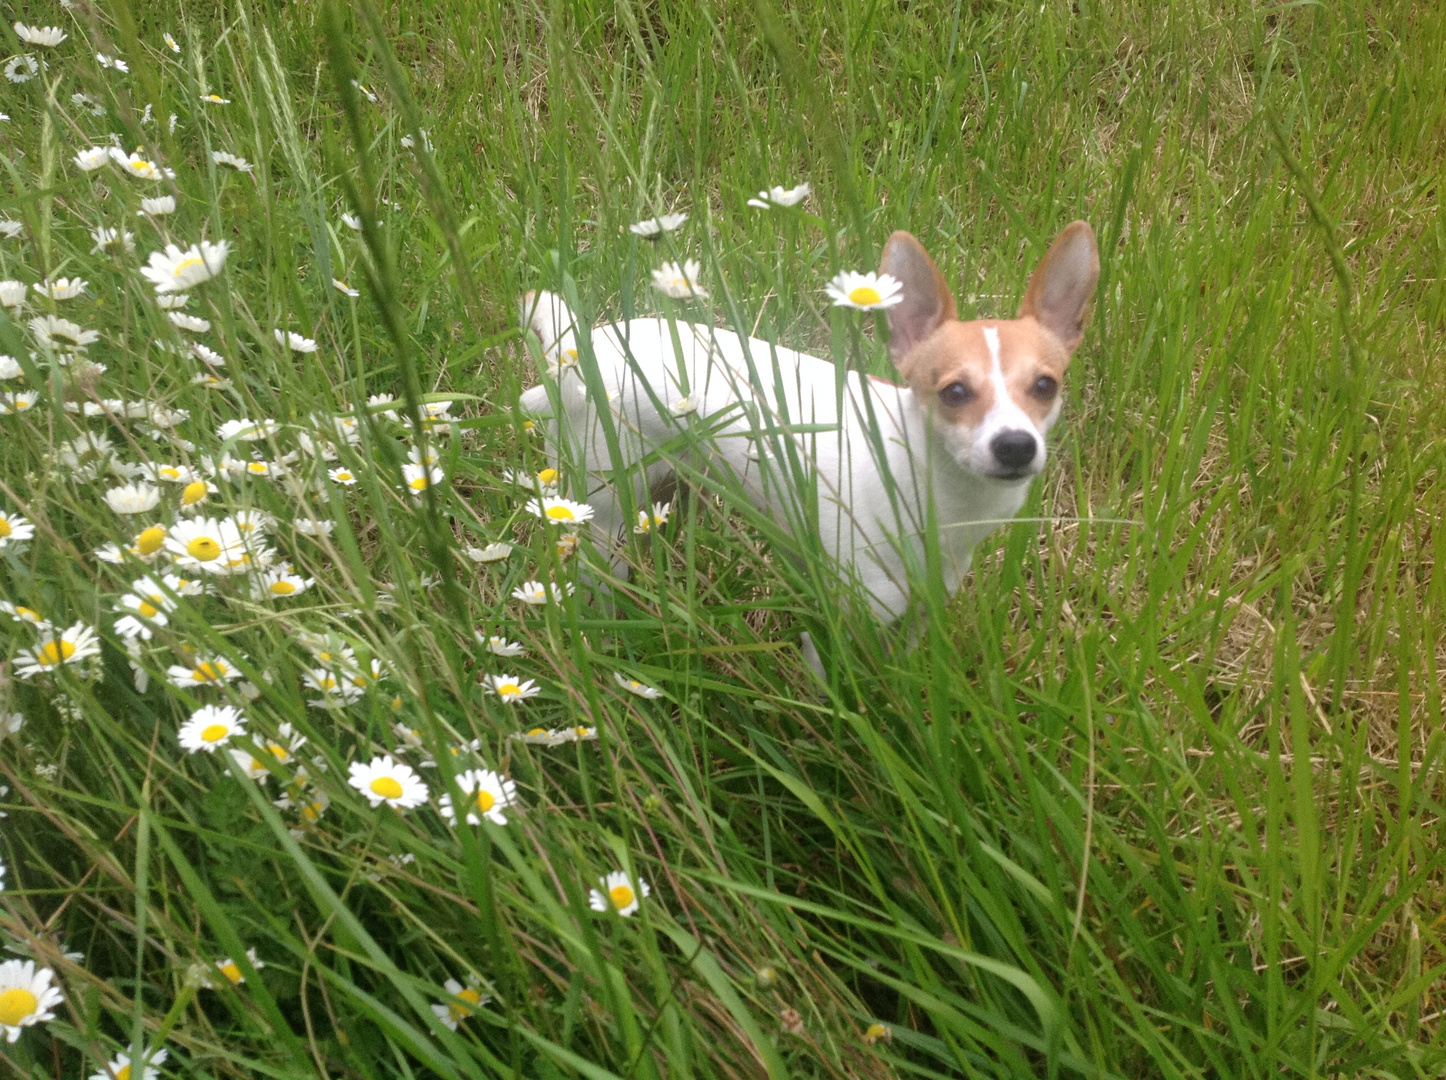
25	612
16	1004
170	473
509	689
204	549
186	264
548	476
279	752
214	732
55	652
561	513
864	294
387	787
282	588
148	610
469	995
537	732
419	484
193	492
124	1072
208	672
150	540
344	476
5	529
21	404
621	896
232	971
486	800
257	468
312	810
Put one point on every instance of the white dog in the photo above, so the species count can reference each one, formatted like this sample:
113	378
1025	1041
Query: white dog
858	459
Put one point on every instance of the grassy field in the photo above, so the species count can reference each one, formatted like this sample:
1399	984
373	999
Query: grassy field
1158	795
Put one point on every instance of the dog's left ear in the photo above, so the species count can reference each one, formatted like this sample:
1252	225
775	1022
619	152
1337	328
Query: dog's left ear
1063	284
927	302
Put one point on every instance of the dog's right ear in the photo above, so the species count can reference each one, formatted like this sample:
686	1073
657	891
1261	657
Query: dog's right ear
927	302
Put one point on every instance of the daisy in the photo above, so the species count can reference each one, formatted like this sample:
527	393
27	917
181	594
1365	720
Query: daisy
544	483
780	196
185	321
489	795
176	270
61	288
14	528
336	690
343	288
509	688
211	726
195	494
206	671
653	228
232	970
250	523
500	646
215	99
45	36
279	585
314	527
145	605
10	368
21	69
26	996
535	593
657	519
283	748
148	542
679	282
351	221
385	781
418	477
560	511
111	240
294	341
112	62
12	293
247	430
877	1033
342	476
10	229
25	615
140	167
208	356
489	554
540	736
18	403
170	43
119	1067
454	1013
160	206
133	498
685	405
60	333
203	542
619	893
632	686
77	643
867	292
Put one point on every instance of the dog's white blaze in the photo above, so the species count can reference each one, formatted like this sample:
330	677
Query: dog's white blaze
1004	415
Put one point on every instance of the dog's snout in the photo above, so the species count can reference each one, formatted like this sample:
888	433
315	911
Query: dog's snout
1014	449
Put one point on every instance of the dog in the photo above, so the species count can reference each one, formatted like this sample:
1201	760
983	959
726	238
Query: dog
860	459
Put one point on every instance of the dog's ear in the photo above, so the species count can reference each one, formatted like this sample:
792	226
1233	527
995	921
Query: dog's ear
927	301
1063	283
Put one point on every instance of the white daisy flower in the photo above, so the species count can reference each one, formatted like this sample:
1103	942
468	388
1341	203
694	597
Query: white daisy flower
208	356
61	288
544	483
185	321
205	671
314	527
172	474
489	554
536	593
112	62
500	646
679	282
45	36
342	475
468	999
215	99
21	69
120	1067
343	288
294	341
90	104
351	221
279	585
79	642
25	615
170	43
418	477
195	494
489	794
133	498
510	688
14	528
653	228
540	736
211	726
141	167
62	334
26	996
632	686
160	206
149	542
203	542
867	292
12	293
247	430
10	368
336	688
780	196
10	724
240	164
232	970
375	402
657	519
18	403
560	511
146	606
386	781
283	748
111	240
9	230
176	270
618	893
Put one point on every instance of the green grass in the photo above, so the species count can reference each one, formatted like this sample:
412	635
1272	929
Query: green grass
1159	794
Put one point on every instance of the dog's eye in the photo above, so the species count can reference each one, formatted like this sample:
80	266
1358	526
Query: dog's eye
956	394
1044	387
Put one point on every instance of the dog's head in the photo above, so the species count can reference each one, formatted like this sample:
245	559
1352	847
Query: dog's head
992	384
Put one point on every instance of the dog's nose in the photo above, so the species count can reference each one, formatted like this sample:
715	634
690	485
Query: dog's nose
1013	449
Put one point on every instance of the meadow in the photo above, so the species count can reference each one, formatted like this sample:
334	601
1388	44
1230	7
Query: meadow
1157	794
